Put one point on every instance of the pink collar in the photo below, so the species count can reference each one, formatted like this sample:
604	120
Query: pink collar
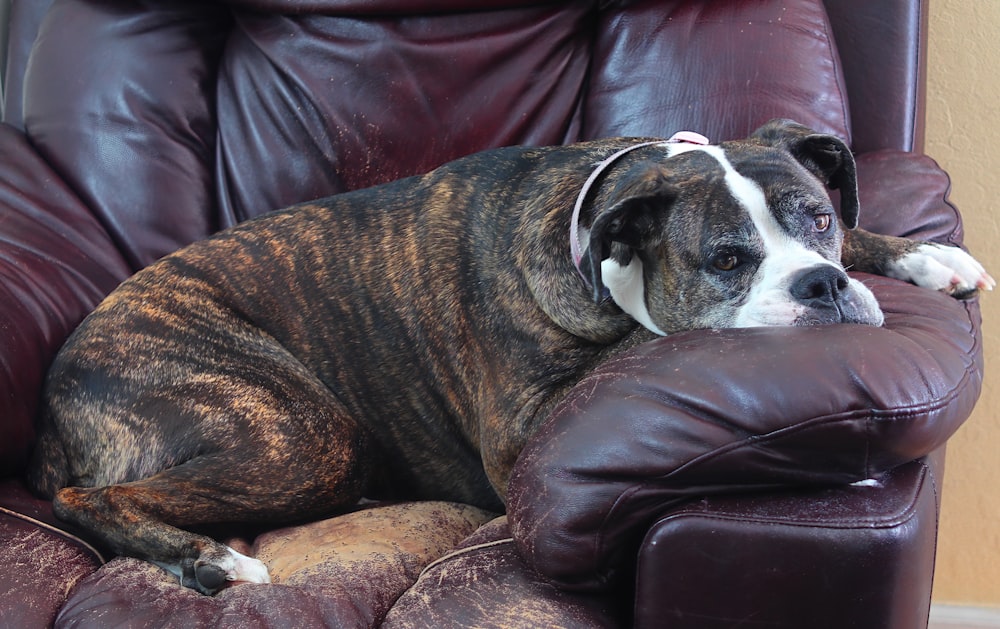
576	250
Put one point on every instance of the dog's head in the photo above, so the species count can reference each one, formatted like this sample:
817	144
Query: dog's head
735	235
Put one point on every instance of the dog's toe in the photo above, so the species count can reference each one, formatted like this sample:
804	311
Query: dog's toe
947	269
247	569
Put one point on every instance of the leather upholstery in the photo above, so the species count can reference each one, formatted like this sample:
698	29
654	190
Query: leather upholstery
132	129
894	32
869	536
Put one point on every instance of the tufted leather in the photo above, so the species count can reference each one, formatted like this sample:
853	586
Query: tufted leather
132	129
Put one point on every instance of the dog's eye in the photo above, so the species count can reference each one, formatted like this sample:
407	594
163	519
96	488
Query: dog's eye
822	222
726	262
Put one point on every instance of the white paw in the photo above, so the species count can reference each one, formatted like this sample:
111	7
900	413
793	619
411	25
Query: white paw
217	569
939	267
246	569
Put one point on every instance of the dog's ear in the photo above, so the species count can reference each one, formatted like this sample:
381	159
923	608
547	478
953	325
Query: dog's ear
633	218
826	156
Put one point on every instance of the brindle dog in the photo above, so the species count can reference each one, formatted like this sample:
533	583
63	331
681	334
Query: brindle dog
407	339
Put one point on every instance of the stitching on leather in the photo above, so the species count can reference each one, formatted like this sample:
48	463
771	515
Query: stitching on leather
859	522
463	551
55	530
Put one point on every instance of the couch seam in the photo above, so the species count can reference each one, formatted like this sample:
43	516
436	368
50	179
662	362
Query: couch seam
463	551
907	514
55	531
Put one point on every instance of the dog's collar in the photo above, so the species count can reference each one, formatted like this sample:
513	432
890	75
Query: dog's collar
688	137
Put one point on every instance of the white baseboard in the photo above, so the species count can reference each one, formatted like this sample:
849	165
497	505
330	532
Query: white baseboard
964	617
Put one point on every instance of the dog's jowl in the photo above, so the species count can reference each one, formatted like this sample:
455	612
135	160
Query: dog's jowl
405	340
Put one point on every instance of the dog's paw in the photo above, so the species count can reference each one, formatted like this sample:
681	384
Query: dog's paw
214	570
947	269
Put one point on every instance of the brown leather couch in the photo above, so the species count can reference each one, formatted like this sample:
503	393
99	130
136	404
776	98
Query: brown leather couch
708	479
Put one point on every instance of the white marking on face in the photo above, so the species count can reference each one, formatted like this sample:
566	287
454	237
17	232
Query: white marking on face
627	283
770	301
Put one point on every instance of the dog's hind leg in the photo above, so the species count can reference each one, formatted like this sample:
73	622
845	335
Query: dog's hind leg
123	514
297	466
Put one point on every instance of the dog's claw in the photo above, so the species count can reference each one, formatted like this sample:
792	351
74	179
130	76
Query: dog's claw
986	282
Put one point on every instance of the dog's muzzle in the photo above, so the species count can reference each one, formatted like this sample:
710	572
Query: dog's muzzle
828	295
820	287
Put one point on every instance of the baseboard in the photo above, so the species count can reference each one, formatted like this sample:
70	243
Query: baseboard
964	617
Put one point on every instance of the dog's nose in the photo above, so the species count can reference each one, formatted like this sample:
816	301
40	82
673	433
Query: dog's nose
819	286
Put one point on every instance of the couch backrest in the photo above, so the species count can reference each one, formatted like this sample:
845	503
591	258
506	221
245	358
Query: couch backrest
172	122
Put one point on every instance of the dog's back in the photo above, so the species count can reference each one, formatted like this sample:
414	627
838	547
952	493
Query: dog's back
365	298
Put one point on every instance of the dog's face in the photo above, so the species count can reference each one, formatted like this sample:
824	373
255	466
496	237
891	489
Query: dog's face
736	235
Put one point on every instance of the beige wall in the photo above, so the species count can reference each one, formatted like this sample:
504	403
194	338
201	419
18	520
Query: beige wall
963	135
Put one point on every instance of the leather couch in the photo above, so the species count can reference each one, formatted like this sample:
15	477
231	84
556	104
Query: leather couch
758	477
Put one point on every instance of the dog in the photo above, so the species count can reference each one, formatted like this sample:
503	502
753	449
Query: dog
406	340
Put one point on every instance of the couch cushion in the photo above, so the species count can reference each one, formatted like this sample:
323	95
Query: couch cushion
220	113
341	572
117	99
484	583
310	105
41	563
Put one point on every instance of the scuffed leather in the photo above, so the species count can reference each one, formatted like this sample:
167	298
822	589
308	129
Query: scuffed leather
484	583
799	543
342	572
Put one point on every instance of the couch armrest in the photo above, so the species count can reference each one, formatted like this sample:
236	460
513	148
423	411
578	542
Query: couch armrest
722	412
734	411
717	562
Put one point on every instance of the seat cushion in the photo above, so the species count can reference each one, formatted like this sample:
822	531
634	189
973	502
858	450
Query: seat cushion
41	562
341	572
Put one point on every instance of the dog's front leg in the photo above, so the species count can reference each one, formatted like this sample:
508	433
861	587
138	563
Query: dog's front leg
930	265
